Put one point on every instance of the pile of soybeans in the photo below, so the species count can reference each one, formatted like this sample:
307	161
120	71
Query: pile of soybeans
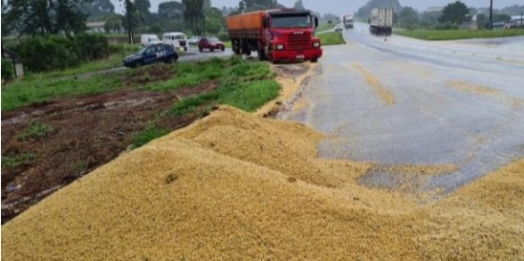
234	186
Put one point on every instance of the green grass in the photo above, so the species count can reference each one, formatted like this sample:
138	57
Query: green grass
245	85
227	44
436	35
147	135
331	38
35	130
325	27
11	161
38	88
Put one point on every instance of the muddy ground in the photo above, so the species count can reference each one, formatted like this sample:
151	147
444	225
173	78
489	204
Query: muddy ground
86	132
81	133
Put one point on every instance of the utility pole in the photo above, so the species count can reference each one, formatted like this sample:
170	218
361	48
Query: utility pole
491	15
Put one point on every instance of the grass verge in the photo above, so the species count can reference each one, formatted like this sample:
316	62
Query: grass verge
437	35
332	38
148	134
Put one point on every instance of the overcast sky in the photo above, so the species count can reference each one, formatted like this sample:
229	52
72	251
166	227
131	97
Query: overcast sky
341	7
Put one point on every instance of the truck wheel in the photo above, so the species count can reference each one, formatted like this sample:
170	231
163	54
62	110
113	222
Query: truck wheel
261	55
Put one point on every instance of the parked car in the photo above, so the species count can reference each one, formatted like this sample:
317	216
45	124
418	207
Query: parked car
211	44
338	28
154	53
194	40
149	39
177	39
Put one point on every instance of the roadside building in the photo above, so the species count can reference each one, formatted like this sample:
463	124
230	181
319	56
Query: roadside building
96	27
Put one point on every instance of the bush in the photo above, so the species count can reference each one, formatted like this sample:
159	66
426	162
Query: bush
447	26
8	72
224	36
54	52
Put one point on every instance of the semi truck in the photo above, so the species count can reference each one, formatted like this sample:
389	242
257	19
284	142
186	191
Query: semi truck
381	21
277	35
348	21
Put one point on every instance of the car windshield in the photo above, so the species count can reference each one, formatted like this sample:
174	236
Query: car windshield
303	21
179	37
213	40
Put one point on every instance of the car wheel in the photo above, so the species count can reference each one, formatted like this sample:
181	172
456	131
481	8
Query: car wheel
185	49
223	49
199	49
171	60
211	49
314	60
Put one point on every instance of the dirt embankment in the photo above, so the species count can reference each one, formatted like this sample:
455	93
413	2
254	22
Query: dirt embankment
56	142
238	187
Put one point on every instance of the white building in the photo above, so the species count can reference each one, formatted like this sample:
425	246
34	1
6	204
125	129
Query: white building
96	27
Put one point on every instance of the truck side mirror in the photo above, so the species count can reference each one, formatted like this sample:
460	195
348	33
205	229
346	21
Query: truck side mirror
316	21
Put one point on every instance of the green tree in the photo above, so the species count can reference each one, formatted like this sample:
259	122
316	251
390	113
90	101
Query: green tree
45	17
213	26
408	18
299	5
113	23
429	19
171	10
96	9
364	12
194	15
455	13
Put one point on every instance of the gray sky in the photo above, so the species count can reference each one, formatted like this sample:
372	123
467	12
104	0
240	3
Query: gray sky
341	7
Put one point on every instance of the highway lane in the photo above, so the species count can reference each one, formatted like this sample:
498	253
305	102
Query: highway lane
401	101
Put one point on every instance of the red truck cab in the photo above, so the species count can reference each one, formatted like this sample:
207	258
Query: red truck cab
277	35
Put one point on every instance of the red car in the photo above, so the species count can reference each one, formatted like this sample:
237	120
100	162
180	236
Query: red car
211	44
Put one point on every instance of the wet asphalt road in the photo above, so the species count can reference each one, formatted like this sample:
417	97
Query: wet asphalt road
401	101
192	55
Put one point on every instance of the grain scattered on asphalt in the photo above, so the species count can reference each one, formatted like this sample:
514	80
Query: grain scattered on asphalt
383	93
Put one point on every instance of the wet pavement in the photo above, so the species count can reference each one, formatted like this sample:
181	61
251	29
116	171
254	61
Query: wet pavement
401	101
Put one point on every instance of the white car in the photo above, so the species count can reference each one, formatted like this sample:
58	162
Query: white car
194	40
149	39
177	39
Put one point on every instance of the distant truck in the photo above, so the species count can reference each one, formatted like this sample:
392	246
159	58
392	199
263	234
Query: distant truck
381	21
277	35
347	20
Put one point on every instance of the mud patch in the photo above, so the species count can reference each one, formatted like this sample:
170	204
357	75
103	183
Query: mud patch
87	132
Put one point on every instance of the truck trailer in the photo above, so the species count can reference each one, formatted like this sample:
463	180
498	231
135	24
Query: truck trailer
381	21
277	35
347	20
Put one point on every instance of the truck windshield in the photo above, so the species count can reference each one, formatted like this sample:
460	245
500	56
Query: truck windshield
303	21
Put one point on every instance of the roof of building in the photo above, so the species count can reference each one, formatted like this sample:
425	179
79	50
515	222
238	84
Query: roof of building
95	24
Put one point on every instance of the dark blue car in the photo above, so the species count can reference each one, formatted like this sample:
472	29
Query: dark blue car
155	53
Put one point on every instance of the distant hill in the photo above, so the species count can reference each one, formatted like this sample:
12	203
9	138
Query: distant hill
365	11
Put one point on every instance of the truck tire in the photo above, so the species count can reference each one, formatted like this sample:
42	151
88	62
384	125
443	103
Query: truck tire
262	54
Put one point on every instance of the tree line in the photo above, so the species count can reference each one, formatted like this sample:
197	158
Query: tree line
452	15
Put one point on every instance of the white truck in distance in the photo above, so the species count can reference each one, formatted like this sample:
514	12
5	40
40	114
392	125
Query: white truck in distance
381	21
348	21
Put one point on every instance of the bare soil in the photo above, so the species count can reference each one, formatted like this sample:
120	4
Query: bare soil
86	132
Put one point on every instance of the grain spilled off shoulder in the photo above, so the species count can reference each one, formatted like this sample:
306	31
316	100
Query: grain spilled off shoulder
234	186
